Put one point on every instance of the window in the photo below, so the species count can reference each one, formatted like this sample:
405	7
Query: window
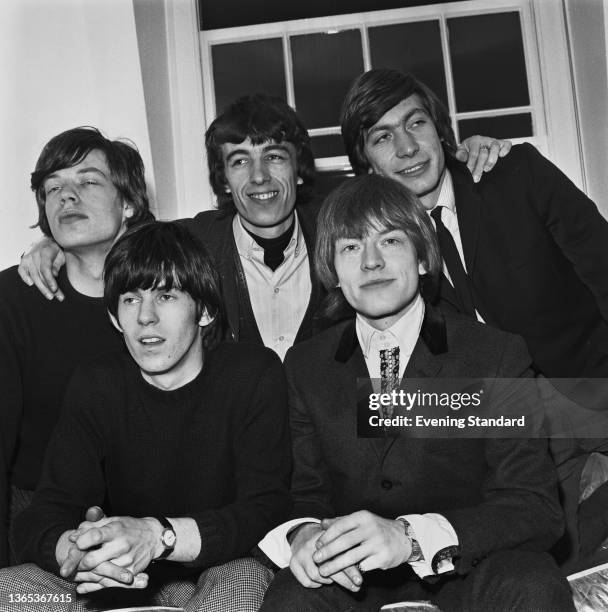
483	58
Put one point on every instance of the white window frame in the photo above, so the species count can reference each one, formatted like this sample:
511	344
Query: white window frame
552	101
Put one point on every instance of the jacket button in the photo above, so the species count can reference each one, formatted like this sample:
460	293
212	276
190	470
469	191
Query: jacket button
386	484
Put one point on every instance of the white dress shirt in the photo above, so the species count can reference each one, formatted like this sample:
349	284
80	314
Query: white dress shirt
279	298
433	531
447	200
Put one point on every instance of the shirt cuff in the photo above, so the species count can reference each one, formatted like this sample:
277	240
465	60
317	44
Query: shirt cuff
275	545
434	533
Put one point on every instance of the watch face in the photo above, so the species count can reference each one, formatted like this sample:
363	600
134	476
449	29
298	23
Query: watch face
168	538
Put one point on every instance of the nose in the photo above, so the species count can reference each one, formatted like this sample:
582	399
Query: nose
406	144
69	193
371	258
147	314
259	172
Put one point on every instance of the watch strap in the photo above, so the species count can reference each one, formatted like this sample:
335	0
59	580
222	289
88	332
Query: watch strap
416	554
168	548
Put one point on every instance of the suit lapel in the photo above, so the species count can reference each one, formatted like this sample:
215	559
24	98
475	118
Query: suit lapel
423	363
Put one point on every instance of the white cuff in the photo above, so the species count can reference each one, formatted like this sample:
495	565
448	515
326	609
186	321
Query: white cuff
275	545
434	533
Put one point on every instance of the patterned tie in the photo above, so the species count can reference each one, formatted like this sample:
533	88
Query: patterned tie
389	375
449	252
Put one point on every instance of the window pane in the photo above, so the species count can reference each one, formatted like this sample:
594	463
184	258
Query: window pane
411	47
248	67
327	146
488	62
324	65
505	126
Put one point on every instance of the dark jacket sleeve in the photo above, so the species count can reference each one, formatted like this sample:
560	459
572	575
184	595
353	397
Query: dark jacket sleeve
262	469
575	223
519	507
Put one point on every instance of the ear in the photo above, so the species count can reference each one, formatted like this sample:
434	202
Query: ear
422	268
370	170
227	189
205	319
115	322
300	180
128	210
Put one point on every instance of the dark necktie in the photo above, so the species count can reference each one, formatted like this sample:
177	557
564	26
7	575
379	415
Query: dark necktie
389	375
450	255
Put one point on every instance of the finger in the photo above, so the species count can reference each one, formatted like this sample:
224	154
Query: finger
492	156
48	276
345	581
335	528
40	284
23	271
302	576
71	562
473	158
93	514
107	569
140	582
338	545
462	153
505	147
341	562
480	162
354	575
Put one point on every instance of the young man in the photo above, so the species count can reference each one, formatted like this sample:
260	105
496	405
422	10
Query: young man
261	168
89	189
524	249
476	515
186	432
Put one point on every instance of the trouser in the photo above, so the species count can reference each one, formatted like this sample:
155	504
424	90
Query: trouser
504	581
236	586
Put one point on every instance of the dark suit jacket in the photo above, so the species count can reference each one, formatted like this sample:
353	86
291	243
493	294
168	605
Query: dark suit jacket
214	229
536	250
496	493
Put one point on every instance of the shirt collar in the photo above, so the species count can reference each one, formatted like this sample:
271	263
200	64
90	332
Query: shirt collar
446	196
245	243
403	333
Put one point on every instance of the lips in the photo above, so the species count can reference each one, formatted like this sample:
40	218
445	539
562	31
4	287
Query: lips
71	215
151	341
378	282
264	196
414	170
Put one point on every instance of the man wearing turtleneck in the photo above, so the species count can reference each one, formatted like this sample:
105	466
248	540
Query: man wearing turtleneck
88	189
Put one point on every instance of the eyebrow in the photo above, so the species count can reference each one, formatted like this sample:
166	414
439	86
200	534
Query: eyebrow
387	126
79	172
268	147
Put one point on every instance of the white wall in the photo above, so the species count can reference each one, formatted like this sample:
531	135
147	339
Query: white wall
63	63
586	21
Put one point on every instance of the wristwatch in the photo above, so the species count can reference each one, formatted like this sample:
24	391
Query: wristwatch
416	554
167	538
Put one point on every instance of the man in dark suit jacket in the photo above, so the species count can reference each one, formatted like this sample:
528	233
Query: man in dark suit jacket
524	249
473	514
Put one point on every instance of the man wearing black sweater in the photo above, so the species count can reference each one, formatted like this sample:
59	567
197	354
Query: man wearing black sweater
186	428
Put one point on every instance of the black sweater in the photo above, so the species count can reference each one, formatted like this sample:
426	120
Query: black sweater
41	343
216	449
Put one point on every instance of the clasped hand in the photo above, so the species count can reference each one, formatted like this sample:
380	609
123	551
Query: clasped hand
340	549
110	552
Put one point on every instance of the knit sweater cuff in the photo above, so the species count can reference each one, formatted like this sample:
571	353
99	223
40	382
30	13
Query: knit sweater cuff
213	544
